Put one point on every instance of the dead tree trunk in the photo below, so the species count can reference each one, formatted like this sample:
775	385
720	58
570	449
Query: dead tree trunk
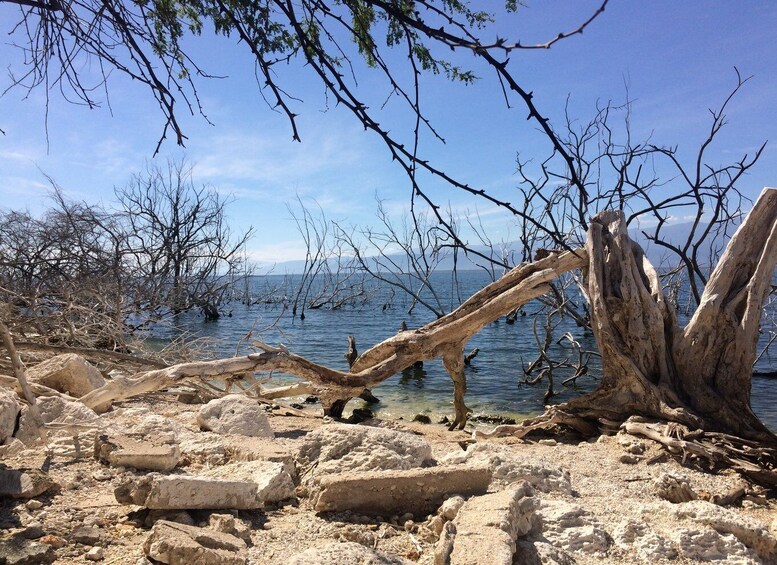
699	376
717	349
697	379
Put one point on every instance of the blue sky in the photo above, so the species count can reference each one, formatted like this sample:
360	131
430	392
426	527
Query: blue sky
677	59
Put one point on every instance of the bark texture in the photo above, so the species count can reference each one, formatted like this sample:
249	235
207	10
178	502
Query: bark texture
687	388
699	376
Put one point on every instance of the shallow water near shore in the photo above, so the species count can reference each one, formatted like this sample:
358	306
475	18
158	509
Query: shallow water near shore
495	379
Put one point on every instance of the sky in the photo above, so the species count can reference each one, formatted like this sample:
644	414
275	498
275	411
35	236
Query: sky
676	59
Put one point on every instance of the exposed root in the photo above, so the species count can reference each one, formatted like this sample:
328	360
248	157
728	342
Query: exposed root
751	459
553	417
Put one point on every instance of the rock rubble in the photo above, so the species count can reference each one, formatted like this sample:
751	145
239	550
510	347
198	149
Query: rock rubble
233	483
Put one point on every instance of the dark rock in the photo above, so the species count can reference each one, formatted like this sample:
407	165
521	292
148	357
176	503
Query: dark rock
296	406
87	535
23	483
177	516
19	552
311	400
422	418
32	531
492	419
367	396
361	414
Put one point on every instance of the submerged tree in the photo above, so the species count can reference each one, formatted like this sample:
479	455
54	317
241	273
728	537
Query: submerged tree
179	242
83	274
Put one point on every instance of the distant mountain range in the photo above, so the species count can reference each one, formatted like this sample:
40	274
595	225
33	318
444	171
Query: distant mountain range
675	234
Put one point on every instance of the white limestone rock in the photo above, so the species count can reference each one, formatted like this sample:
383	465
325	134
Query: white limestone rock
241	448
337	448
68	373
572	528
179	544
638	536
76	443
750	532
229	524
536	552
347	553
415	491
241	486
235	414
55	409
709	545
125	451
202	447
9	411
488	526
188	492
509	465
450	508
12	448
144	423
273	481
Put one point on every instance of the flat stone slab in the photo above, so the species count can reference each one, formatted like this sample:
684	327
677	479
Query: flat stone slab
179	544
242	486
509	466
488	526
419	491
572	528
750	532
272	479
123	451
259	449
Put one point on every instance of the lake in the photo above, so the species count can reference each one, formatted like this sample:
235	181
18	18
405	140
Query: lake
495	378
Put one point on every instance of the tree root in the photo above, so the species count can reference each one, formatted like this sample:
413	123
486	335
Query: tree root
710	450
749	458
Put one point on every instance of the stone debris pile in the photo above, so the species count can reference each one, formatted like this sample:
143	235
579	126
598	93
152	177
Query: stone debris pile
232	483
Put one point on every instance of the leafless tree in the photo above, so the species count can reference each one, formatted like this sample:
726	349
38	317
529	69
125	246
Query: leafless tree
403	256
180	245
89	276
330	278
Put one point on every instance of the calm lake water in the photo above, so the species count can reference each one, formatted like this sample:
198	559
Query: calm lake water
495	378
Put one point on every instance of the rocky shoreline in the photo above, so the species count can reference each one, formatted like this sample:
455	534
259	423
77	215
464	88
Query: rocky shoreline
232	481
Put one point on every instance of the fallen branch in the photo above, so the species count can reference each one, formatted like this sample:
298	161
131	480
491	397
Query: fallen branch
119	356
19	372
444	338
719	450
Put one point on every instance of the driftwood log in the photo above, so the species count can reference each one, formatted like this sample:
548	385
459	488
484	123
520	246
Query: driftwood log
445	338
